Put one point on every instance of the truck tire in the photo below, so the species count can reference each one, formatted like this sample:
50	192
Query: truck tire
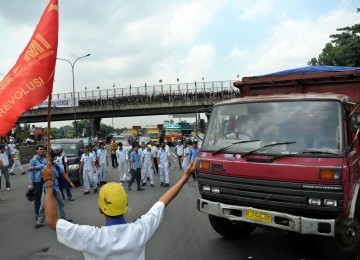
346	244
229	229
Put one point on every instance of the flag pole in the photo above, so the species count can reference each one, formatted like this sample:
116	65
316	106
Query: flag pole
48	147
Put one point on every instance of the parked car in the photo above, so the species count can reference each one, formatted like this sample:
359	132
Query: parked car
119	138
146	139
126	145
72	148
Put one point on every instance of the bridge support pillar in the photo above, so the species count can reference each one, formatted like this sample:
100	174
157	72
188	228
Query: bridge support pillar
95	126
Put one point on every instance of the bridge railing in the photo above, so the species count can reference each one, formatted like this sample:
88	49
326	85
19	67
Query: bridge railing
66	99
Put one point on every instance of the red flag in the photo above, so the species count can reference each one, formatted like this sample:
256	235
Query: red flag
30	81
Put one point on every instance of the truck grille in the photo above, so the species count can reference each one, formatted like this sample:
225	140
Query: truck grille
288	197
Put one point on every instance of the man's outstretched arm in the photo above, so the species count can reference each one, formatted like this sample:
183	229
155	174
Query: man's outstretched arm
174	190
51	210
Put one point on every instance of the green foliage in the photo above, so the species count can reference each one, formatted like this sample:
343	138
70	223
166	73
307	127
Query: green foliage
343	50
81	124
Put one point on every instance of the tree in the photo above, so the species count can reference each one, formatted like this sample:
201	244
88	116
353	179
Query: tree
81	124
343	50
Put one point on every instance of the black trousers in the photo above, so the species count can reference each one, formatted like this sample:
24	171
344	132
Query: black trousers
135	175
156	165
179	159
114	162
38	191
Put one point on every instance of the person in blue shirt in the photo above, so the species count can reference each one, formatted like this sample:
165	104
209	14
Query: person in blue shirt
37	164
194	154
135	167
58	170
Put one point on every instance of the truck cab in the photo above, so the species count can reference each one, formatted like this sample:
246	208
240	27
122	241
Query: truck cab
286	155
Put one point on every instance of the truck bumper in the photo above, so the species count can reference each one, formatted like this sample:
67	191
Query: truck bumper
302	225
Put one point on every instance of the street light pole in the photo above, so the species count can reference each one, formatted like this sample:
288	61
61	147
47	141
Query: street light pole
72	64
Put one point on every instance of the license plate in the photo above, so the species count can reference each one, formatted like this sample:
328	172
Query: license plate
257	215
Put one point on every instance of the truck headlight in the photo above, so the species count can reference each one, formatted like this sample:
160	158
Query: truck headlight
204	165
330	174
74	167
215	190
314	202
206	188
330	203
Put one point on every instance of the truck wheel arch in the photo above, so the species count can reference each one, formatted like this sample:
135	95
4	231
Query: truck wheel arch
355	201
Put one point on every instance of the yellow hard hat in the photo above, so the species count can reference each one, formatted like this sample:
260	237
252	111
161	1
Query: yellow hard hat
113	200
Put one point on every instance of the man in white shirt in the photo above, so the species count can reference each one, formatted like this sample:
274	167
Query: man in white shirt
179	150
147	166
118	239
122	158
154	149
17	163
102	160
12	147
32	132
88	169
4	166
164	164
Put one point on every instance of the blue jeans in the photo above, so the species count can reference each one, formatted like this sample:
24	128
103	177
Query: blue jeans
63	184
60	202
5	172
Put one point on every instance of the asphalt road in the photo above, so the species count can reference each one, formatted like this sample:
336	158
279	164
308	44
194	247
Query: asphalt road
184	233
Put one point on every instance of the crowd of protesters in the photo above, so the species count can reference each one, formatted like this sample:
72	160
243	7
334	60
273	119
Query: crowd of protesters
159	98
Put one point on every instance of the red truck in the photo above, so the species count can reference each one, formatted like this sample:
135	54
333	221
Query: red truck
285	155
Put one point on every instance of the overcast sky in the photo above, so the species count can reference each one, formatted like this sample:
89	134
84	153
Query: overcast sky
133	42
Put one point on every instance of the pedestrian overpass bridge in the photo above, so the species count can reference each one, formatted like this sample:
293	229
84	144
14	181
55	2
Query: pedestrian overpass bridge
140	101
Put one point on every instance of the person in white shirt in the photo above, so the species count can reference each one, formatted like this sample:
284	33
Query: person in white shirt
88	169
32	132
17	163
11	146
166	145
4	166
186	157
179	150
154	149
118	239
102	160
122	158
29	141
142	148
147	166
164	157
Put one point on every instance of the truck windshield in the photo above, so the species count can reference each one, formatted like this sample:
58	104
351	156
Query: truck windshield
70	150
154	135
173	131
303	127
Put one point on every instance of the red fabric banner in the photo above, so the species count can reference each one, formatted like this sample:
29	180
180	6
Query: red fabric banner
30	81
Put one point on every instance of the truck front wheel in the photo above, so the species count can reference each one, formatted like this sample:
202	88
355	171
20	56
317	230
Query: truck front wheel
346	243
229	229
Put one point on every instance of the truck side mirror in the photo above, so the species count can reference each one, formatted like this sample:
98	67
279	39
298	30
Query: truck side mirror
355	122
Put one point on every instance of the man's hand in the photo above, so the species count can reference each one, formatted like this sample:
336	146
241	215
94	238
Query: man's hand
173	191
190	169
48	172
72	185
